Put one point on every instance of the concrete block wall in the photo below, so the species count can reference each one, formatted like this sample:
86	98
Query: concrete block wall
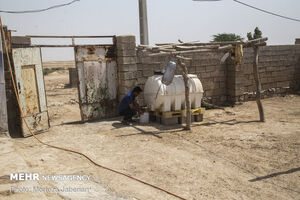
235	81
212	74
127	64
205	65
279	70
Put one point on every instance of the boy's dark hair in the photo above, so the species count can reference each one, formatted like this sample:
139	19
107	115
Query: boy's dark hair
137	89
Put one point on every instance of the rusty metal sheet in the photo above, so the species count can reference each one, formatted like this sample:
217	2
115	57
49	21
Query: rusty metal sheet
91	53
31	88
112	79
97	77
3	106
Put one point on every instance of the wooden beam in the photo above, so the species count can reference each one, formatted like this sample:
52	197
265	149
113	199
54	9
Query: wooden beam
256	41
226	47
261	44
163	44
190	51
224	58
187	92
184	48
214	43
247	43
68	45
183	58
258	84
70	36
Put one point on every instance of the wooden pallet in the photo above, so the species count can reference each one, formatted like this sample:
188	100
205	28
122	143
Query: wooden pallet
179	113
176	117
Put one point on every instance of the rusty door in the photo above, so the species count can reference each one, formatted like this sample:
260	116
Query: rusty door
97	86
31	88
3	105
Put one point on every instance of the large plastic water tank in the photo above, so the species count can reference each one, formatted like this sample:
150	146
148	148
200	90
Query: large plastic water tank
160	97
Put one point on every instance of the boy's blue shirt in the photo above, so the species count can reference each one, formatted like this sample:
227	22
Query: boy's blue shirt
126	100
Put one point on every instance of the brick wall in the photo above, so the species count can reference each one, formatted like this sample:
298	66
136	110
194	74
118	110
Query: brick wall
127	64
205	65
279	70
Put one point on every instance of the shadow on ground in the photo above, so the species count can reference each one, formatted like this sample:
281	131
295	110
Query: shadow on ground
161	129
231	122
275	174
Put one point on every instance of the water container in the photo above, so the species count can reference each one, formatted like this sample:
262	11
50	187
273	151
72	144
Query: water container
169	73
144	118
161	97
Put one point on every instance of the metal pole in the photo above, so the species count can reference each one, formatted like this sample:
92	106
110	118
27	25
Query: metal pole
144	38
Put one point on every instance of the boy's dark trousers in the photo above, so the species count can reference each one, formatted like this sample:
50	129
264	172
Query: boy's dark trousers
128	113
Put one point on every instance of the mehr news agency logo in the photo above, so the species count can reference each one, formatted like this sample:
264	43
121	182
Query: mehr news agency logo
48	177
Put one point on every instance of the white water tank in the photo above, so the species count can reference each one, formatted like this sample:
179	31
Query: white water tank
160	97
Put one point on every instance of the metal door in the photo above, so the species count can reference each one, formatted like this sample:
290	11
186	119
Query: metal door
3	107
31	89
97	75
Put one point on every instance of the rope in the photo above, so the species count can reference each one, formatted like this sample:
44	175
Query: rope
65	149
268	12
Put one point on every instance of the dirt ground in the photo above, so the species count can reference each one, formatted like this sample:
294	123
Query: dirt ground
229	155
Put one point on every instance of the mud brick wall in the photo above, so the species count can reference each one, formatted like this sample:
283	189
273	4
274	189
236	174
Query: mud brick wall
279	70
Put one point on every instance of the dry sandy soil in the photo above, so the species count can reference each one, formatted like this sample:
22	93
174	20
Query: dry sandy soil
227	156
59	64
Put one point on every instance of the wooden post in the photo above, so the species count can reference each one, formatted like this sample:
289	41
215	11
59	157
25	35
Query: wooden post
258	84
187	94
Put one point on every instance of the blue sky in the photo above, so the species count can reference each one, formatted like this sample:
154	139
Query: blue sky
168	20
